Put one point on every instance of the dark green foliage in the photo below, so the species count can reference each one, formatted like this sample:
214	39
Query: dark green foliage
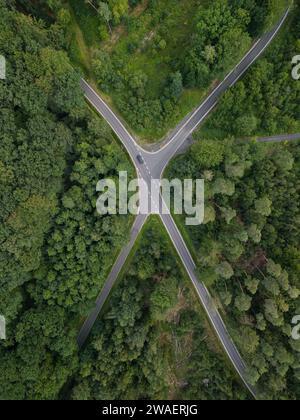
250	261
55	250
152	343
220	33
266	101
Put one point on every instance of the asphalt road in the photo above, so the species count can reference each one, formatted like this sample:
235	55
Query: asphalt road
153	168
205	298
279	139
109	284
160	159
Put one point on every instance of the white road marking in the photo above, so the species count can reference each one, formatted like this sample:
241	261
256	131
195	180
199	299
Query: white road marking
157	205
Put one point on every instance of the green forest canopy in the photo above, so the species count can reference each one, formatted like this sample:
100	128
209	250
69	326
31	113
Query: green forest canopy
53	150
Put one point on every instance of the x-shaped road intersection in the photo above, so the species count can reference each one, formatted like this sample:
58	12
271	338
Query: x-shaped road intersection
152	169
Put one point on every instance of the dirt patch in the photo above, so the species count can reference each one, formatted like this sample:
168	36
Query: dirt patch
116	35
140	8
176	372
174	314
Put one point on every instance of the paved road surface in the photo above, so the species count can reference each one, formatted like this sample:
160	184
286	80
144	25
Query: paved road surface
279	139
183	132
90	321
152	169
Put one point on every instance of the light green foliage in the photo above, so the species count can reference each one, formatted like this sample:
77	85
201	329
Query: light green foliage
223	186
247	339
211	38
254	233
207	153
228	213
243	303
225	270
263	206
209	215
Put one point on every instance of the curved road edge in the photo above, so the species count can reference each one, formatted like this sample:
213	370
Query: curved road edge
133	148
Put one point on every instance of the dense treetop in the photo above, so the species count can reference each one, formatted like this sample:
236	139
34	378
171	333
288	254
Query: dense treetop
153	341
56	251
